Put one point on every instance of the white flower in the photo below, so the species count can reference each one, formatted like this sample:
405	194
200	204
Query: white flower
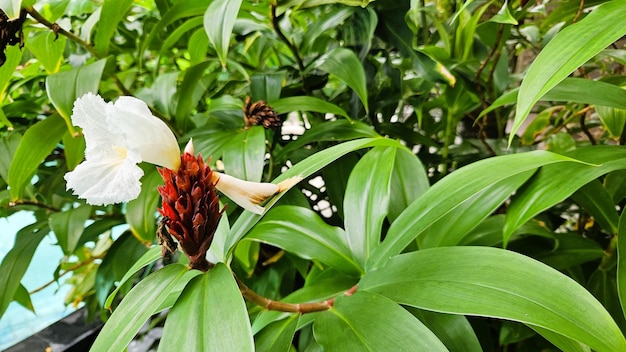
249	195
118	136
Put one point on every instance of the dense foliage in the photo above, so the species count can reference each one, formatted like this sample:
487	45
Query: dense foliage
461	161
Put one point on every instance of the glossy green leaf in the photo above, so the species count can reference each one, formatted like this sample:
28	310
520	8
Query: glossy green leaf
68	226
504	15
186	97
181	30
554	183
304	103
73	149
210	315
124	252
14	56
615	184
562	342
22	297
408	182
93	231
180	9
8	146
266	86
621	262
569	249
453	330
140	212
277	336
36	144
315	3
613	120
64	87
450	229
324	23
577	90
596	201
113	11
150	256
366	201
219	20
18	259
345	65
48	49
244	155
339	130
361	322
457	188
568	50
493	282
303	169
140	303
302	232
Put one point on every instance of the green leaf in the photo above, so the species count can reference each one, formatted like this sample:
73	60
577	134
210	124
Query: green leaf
613	120
621	261
504	15
302	232
450	229
140	212
330	131
74	149
219	20
36	144
361	323
22	297
304	103
568	250
14	56
266	86
303	169
278	335
567	51
113	11
462	280
244	155
210	315
124	252
68	227
140	303
64	87
186	97
8	146
345	65
554	183
454	189
596	201
17	260
150	256
367	200
408	182
577	90
48	48
562	342
453	330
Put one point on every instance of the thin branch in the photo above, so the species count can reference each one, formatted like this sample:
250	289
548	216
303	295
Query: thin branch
33	202
581	7
68	270
282	36
585	130
59	30
301	308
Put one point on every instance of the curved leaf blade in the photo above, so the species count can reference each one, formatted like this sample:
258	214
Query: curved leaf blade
210	315
345	65
458	187
462	280
219	20
140	303
304	103
360	323
302	232
569	49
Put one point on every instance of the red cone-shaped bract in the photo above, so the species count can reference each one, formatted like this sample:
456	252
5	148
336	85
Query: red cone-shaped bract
190	208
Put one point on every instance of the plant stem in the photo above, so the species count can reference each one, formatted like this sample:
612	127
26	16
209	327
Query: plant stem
35	203
70	269
289	44
301	308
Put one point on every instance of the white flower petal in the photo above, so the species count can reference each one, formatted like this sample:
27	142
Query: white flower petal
107	179
151	136
90	114
249	195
